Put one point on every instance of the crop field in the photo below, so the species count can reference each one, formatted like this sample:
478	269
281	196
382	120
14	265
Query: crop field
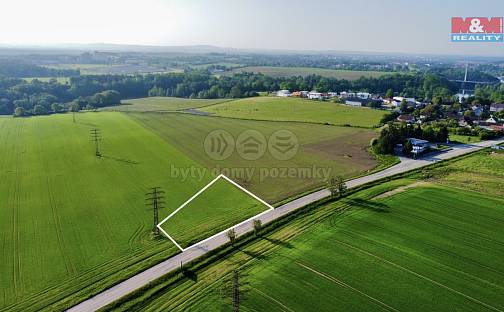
71	221
160	104
483	173
305	71
115	69
296	109
427	244
402	245
324	151
216	209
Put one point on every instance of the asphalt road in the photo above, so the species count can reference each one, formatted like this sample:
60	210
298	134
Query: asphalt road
116	292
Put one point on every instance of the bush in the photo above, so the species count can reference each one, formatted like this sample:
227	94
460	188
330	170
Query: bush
19	112
39	110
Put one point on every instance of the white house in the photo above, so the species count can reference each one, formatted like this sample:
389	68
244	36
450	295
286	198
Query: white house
283	93
497	108
315	95
353	102
419	146
345	94
363	95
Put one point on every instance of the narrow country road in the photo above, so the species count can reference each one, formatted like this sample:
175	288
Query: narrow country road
116	292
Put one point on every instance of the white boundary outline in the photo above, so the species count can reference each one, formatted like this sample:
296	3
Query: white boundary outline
223	231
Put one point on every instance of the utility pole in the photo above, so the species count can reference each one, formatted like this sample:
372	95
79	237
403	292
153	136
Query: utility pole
155	200
96	136
236	292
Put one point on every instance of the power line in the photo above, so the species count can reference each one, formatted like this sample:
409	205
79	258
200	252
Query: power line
154	199
96	137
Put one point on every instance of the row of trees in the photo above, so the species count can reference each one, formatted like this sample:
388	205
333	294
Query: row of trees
19	93
49	104
394	134
17	68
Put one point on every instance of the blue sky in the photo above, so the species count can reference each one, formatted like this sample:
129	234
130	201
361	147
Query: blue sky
351	25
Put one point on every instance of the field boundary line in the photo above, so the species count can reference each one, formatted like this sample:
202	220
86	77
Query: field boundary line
273	299
220	176
420	275
343	284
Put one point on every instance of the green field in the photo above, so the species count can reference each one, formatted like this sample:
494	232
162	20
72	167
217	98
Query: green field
295	109
160	104
481	174
464	138
338	150
397	246
114	69
305	71
72	222
219	207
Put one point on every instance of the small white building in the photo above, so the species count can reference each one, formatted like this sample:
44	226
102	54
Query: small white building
363	95
419	146
345	94
478	110
353	102
315	95
283	93
497	108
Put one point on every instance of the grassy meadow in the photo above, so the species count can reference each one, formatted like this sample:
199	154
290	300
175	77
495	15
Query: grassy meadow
282	72
403	245
337	150
216	209
161	104
296	109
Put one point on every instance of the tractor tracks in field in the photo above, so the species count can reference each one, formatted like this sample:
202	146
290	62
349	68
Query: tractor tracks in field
16	206
421	276
345	285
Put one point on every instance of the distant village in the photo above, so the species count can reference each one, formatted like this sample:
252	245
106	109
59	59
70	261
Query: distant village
473	116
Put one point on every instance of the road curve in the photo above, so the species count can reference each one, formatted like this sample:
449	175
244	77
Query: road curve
120	290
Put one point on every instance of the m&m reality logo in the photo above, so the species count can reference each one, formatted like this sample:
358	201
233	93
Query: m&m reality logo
477	29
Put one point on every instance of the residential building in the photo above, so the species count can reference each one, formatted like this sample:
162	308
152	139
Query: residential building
345	94
354	102
478	110
419	146
363	95
315	95
406	118
497	108
284	93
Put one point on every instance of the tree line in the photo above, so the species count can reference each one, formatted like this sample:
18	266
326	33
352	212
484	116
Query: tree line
85	89
18	69
394	134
